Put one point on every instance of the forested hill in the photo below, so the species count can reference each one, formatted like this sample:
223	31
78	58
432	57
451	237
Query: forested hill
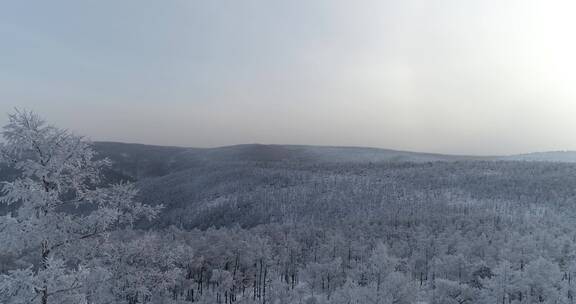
251	185
139	161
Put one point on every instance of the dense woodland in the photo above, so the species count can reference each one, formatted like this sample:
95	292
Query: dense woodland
291	230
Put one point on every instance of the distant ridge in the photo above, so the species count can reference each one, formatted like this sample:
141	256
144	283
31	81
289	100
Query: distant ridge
552	156
139	160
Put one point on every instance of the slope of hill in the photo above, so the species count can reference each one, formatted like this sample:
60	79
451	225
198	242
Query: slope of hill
137	161
254	193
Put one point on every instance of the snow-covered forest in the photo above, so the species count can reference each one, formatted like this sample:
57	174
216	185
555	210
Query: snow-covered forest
112	223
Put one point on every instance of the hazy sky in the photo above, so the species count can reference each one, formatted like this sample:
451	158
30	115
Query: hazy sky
455	76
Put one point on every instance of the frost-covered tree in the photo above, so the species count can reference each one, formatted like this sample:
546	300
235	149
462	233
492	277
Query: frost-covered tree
452	292
60	213
381	264
503	285
542	282
144	268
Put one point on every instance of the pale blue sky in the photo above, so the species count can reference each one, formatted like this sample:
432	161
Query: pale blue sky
455	76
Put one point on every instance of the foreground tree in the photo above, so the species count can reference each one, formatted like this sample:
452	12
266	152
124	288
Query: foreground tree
60	214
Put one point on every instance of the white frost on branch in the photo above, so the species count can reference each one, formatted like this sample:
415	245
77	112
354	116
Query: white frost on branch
61	212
